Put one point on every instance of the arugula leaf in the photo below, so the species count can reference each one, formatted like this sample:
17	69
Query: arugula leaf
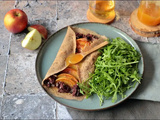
116	71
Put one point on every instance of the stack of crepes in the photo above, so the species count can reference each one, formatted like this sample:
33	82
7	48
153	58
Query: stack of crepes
62	78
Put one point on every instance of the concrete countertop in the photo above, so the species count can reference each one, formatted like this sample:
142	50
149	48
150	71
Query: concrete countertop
21	95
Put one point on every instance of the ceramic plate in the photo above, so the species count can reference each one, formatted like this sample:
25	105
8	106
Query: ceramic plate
48	52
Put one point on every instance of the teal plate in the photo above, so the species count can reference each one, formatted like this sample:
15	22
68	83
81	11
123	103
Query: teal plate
48	52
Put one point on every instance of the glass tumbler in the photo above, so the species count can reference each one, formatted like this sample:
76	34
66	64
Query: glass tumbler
149	12
103	9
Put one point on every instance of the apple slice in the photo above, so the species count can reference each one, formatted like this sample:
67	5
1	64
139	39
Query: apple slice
72	72
81	44
32	40
68	76
74	66
67	81
41	29
82	41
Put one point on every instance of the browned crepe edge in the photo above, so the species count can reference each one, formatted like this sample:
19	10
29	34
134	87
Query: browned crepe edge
68	47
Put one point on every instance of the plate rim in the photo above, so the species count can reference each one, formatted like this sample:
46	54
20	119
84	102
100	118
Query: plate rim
45	42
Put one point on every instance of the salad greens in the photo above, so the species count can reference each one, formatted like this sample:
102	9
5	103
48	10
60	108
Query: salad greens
116	71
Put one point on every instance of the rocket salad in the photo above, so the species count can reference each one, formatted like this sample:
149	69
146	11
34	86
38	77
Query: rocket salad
116	71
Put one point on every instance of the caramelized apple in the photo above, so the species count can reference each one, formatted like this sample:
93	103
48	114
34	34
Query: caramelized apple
81	44
82	41
68	76
74	66
71	71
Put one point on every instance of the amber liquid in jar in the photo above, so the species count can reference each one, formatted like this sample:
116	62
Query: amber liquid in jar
103	9
149	12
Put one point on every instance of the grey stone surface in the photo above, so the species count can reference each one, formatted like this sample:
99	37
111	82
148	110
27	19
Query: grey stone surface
4	44
70	14
62	112
28	107
0	107
3	64
124	7
4	34
40	12
36	10
72	9
4	39
5	7
21	77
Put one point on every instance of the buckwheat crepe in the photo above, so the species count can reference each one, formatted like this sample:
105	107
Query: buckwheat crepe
85	67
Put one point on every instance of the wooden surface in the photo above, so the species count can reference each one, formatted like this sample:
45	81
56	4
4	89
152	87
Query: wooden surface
21	95
142	29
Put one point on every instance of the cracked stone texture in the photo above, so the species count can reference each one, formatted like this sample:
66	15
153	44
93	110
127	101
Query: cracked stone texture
3	63
40	12
21	77
4	39
125	8
4	42
67	13
28	107
4	34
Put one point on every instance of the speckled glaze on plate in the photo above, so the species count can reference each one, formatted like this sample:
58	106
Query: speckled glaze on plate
48	52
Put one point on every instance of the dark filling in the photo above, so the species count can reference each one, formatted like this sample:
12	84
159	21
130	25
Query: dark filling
50	81
62	87
76	90
88	36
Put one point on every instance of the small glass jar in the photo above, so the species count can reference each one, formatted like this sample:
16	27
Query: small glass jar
103	9
149	12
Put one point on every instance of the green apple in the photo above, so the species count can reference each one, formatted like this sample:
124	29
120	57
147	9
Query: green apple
32	40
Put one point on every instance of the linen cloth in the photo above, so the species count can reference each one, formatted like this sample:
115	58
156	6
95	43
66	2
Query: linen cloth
149	89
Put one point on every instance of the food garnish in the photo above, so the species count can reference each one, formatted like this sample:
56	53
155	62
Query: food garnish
116	71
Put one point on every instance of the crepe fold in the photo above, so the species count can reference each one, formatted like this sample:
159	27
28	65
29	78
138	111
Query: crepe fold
85	67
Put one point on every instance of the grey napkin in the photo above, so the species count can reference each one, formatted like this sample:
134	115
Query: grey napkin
149	89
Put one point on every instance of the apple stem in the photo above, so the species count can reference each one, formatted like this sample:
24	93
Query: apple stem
16	14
